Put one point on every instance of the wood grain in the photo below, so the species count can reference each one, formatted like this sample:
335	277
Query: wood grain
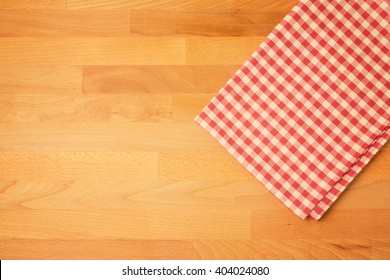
218	50
351	223
93	51
199	249
200	165
117	191
290	249
155	79
47	23
96	249
33	4
68	108
123	224
18	79
184	4
100	157
78	165
144	136
204	22
186	106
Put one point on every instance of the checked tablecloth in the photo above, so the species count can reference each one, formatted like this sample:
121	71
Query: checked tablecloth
311	106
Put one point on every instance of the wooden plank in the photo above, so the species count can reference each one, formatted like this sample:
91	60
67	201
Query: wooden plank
291	249
95	249
33	4
220	50
68	108
253	195
78	165
123	224
200	165
187	106
16	79
202	249
113	192
214	22
184	4
141	136
356	223
94	51
50	193
155	79
47	23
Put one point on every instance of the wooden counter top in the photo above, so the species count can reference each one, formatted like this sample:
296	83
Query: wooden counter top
100	157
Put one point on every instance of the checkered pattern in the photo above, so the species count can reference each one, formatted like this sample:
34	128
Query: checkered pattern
311	106
342	184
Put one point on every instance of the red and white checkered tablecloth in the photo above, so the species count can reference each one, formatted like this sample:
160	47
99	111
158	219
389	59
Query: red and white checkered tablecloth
311	106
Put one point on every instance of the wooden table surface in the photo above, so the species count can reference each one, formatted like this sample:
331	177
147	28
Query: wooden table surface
100	157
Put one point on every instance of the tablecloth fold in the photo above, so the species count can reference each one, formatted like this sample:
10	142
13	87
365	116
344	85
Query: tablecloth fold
311	106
